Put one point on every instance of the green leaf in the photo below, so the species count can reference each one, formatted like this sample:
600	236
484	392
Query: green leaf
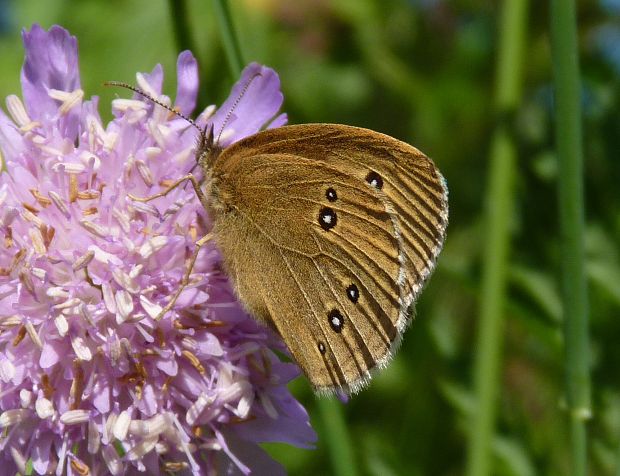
513	459
541	288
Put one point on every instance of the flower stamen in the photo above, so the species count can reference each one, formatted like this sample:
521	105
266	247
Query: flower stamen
90	211
121	425
18	113
10	322
94	228
79	467
142	448
194	361
8	237
11	417
46	386
37	241
32	333
60	204
77	386
83	260
145	172
94	439
21	333
26	281
74	417
62	326
32	218
17	259
88	195
44	408
69	99
48	233
43	201
73	187
175	466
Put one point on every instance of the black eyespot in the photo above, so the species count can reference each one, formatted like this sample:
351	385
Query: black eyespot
331	194
321	347
327	218
336	320
375	180
353	293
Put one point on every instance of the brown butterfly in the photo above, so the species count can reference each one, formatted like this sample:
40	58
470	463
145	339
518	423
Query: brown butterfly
328	233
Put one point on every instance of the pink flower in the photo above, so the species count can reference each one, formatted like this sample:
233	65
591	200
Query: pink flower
88	376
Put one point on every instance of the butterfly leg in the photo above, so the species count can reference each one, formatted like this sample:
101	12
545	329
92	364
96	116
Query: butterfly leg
199	193
185	280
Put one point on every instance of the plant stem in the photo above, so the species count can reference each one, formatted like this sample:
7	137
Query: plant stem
229	37
564	51
499	210
337	437
180	26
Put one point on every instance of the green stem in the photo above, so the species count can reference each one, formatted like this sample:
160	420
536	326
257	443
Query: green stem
337	437
617	471
499	209
180	26
564	51
229	37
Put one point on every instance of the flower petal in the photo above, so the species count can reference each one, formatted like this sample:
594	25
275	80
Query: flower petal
154	81
187	82
50	355
41	453
51	63
242	453
11	142
253	102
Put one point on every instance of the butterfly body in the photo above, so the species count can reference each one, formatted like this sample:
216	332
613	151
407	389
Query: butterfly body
328	233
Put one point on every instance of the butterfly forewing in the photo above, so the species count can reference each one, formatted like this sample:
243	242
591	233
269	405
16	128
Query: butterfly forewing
328	232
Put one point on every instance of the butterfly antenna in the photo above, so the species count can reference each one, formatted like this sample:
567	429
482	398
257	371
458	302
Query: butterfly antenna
235	104
146	95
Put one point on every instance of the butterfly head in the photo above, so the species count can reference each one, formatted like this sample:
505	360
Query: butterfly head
207	149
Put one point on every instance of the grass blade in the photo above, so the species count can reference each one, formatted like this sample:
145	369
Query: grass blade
229	37
571	211
500	207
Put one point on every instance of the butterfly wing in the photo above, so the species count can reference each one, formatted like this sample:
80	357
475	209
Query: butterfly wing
328	233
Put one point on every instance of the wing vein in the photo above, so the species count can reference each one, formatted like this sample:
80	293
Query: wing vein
387	338
358	337
307	299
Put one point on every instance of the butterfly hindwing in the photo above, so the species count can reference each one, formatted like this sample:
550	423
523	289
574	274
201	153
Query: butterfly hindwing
328	232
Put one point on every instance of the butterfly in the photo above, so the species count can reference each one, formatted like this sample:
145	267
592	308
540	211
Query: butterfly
328	233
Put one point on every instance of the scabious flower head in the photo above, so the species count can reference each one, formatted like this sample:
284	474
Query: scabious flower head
90	381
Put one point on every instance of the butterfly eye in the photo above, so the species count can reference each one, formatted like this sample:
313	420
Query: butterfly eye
375	180
327	218
331	194
353	293
336	320
321	347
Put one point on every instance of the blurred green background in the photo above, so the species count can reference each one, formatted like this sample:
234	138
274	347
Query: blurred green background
423	71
